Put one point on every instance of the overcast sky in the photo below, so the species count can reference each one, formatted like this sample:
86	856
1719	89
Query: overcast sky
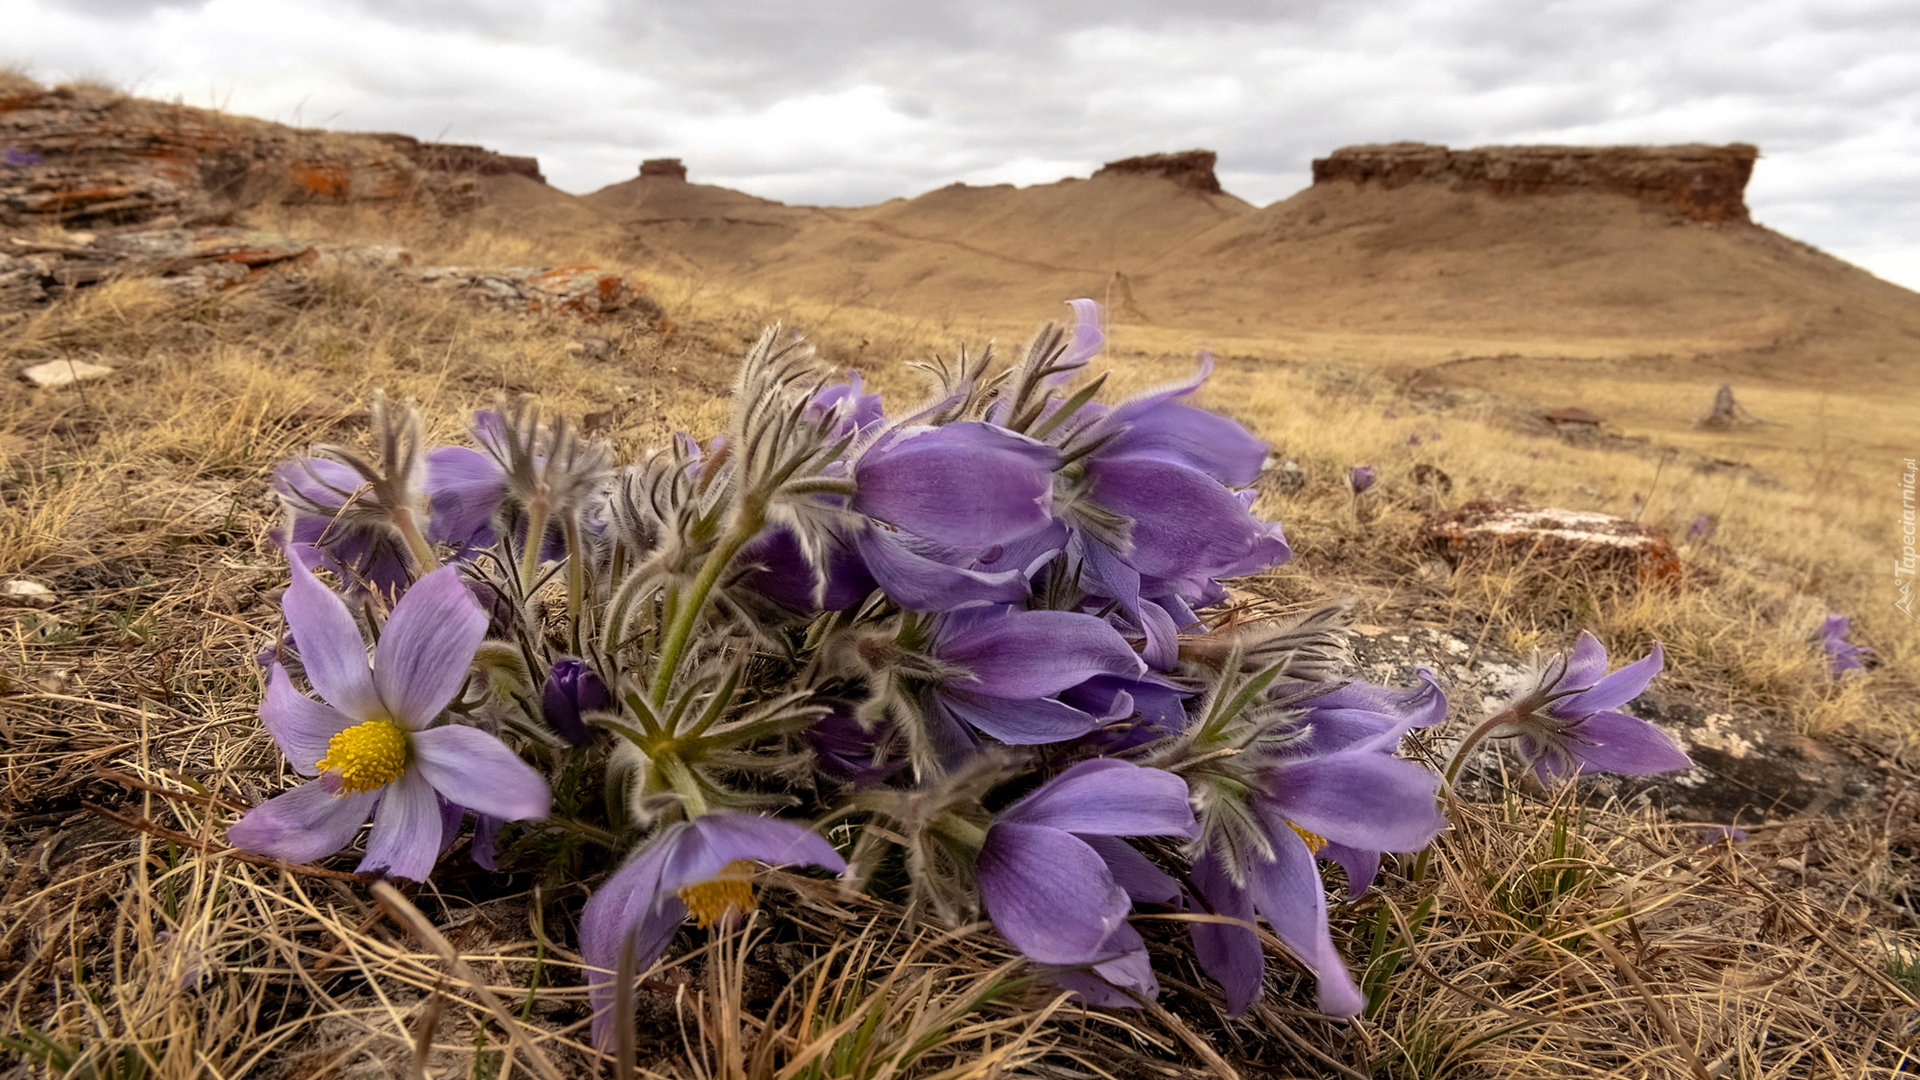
852	101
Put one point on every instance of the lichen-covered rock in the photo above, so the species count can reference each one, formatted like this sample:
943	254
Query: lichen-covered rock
1577	539
1705	183
34	272
590	292
81	156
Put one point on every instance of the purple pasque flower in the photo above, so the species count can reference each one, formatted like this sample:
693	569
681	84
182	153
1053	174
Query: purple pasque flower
1001	670
854	412
701	868
1360	478
967	486
334	522
1166	472
15	158
846	751
1260	859
572	688
1058	882
1842	655
1360	716
369	743
1568	725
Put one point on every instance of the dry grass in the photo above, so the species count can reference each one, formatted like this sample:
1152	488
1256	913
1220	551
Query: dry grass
1545	939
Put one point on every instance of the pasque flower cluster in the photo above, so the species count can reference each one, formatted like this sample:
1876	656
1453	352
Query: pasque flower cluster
975	635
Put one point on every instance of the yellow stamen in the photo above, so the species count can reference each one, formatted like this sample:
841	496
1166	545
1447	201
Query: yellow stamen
1314	840
726	893
367	756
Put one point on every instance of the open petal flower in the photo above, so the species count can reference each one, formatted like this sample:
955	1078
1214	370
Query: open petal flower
701	868
1567	726
371	744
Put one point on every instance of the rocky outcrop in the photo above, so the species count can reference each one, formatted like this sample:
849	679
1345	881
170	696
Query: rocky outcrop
83	157
1697	181
460	158
1191	169
35	272
666	168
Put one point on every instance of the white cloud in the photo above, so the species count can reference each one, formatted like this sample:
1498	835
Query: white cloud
859	100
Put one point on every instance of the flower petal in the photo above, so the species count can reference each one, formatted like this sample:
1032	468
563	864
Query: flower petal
1360	798
1362	716
1361	866
427	646
1109	797
1614	742
918	581
1229	953
730	836
1195	438
1105	985
1048	893
464	490
966	485
476	770
300	725
1187	527
632	905
1586	662
1290	895
302	825
1031	654
405	840
1037	722
1145	883
331	648
1614	690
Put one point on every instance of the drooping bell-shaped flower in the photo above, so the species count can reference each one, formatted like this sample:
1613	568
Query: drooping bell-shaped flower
1007	667
371	744
1058	882
701	869
1360	478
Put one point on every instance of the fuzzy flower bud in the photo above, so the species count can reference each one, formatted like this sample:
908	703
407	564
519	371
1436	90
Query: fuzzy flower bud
572	688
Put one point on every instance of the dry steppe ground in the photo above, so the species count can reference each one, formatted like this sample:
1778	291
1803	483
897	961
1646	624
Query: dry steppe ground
1549	937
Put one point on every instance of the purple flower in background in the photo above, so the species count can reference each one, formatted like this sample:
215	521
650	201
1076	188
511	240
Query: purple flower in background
1348	805
1058	882
1567	725
702	868
334	524
1842	655
369	743
572	688
1700	528
1007	665
1360	478
855	413
15	158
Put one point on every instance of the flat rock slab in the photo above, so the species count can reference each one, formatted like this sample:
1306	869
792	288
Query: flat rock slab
1548	535
56	373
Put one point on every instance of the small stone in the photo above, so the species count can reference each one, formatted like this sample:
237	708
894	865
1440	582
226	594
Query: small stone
56	373
21	593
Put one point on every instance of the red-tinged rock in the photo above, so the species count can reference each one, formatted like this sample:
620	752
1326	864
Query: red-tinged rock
1550	536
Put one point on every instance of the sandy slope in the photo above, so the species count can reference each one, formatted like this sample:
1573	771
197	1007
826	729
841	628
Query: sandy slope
1417	274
